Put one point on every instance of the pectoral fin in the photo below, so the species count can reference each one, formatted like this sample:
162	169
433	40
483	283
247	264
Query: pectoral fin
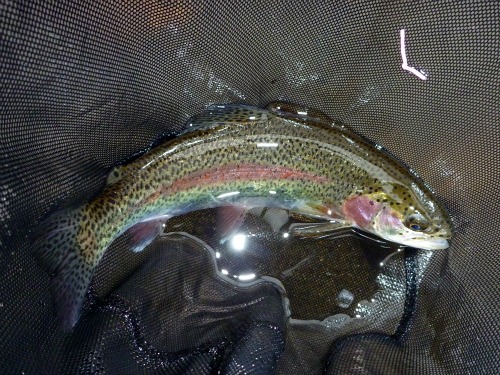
318	230
317	210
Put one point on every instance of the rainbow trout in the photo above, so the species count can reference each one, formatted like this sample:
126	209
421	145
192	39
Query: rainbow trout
242	157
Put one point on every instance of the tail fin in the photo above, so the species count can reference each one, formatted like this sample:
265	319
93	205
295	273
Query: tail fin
58	251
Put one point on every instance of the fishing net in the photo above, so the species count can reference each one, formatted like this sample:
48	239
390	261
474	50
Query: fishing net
87	85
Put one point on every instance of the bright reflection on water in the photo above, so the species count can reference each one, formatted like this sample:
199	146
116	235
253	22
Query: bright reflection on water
238	242
247	277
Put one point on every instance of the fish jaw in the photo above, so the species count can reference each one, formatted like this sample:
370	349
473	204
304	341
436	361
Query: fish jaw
408	238
421	243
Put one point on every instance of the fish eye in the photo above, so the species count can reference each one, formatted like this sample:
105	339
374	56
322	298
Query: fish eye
416	222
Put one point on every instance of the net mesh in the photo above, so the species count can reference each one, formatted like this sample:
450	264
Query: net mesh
85	85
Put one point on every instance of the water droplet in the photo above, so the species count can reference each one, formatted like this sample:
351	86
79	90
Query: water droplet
344	298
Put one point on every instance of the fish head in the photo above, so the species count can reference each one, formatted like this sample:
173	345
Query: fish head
402	217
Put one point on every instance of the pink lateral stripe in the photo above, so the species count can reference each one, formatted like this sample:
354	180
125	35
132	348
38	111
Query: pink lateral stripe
234	172
243	172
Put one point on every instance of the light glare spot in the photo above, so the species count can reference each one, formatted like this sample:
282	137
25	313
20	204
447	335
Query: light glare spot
225	195
217	254
224	272
267	144
238	242
285	235
246	277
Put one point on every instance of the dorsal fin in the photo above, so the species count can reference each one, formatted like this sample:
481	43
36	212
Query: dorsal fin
298	112
220	114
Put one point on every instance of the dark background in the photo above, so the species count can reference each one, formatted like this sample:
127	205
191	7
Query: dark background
85	85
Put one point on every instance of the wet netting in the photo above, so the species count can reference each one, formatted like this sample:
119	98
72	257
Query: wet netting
87	85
